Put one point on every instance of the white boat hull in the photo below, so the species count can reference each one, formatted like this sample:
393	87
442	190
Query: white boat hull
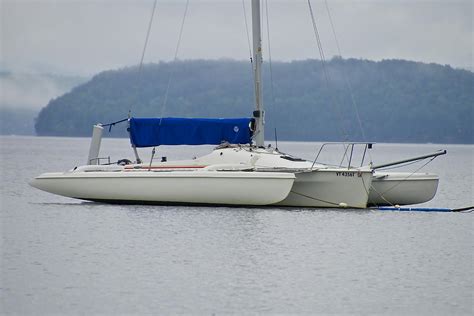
321	186
402	188
330	188
222	177
183	187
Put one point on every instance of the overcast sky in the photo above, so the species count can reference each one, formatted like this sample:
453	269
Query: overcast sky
87	36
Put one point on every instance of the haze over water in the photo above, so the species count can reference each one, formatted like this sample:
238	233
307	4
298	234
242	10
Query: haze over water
66	256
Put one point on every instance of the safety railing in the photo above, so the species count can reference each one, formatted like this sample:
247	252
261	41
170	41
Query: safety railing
97	161
348	153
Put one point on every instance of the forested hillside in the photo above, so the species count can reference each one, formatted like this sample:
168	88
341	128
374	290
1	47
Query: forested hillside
397	101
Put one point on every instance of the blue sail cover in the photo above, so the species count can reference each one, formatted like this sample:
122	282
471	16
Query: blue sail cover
149	132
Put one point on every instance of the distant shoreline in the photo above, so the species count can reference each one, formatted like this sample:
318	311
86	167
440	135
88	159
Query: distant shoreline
268	141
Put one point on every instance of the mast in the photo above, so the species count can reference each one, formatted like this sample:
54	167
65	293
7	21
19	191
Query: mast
259	113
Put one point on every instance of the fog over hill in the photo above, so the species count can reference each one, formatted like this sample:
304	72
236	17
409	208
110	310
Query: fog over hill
397	100
23	94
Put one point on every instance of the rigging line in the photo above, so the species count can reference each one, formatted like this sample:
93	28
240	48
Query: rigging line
140	70
342	129
140	67
320	200
346	77
252	74
344	156
270	57
147	37
247	29
367	189
381	196
165	98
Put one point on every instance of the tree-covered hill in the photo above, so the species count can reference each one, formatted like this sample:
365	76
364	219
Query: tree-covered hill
397	100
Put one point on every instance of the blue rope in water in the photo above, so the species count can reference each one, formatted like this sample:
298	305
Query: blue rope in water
414	209
423	209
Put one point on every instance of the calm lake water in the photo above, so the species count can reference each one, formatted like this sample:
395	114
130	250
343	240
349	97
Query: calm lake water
64	256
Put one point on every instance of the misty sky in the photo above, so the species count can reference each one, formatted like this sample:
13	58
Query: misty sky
84	37
87	36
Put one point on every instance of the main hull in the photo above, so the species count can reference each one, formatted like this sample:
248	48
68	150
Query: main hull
231	176
184	187
402	188
330	188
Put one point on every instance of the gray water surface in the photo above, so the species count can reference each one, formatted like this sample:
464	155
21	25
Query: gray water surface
60	255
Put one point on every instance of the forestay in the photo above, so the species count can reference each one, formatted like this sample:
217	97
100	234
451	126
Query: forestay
149	132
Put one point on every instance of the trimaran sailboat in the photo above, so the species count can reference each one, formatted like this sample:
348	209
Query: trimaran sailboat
239	171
